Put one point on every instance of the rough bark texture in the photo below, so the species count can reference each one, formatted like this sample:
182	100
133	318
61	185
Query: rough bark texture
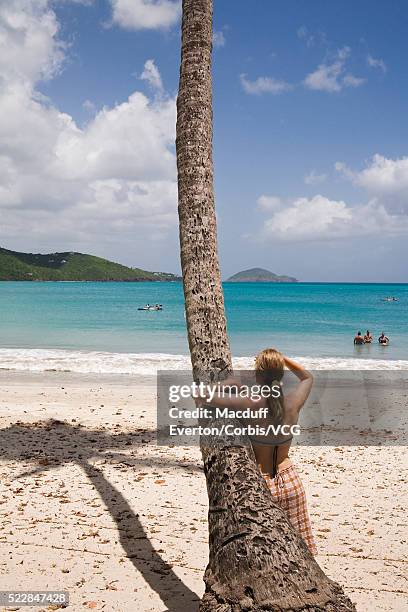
204	299
257	562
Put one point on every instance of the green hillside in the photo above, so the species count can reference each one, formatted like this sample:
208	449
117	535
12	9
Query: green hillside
70	267
260	275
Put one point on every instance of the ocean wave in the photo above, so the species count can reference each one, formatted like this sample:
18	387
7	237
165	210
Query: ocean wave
93	362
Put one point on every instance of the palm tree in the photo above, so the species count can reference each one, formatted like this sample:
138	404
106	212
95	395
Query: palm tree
256	560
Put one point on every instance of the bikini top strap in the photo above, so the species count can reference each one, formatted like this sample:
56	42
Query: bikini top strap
275	462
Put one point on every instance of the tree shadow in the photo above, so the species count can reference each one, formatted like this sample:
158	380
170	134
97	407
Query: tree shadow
52	444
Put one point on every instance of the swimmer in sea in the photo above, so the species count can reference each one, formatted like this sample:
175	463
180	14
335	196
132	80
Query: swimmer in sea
359	338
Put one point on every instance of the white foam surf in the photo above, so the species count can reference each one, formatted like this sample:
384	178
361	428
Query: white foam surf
93	362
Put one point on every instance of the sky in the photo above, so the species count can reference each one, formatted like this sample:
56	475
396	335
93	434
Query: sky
310	133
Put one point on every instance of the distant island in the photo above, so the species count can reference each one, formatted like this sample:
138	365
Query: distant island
70	266
260	275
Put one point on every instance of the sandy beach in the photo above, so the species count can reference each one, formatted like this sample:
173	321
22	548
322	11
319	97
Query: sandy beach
91	505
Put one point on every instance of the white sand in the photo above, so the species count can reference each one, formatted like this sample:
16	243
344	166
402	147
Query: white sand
94	507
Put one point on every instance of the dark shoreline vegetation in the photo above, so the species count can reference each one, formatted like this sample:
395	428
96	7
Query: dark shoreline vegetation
79	267
71	266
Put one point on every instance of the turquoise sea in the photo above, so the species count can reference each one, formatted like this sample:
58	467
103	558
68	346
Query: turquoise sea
47	323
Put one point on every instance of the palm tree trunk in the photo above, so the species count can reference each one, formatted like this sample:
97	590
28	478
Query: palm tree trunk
204	299
256	561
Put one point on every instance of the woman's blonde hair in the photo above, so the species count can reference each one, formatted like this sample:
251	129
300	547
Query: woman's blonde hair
269	369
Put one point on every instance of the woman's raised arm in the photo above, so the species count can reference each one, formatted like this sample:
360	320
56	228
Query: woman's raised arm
299	395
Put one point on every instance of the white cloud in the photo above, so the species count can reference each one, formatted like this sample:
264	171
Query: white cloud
264	85
265	202
29	47
314	179
385	176
351	81
376	63
219	39
331	77
343	169
109	180
384	179
305	218
311	39
151	74
304	34
145	14
320	218
89	106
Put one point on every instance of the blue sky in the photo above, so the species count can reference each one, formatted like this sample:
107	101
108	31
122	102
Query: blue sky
310	133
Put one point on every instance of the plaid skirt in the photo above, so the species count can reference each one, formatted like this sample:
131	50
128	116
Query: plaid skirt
288	492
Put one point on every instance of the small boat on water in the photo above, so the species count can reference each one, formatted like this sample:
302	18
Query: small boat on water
153	307
390	299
